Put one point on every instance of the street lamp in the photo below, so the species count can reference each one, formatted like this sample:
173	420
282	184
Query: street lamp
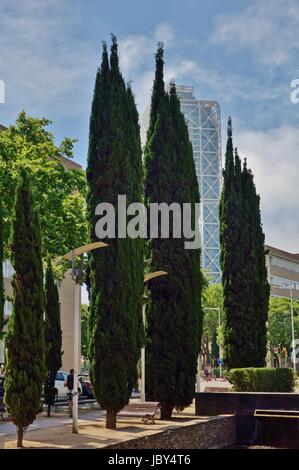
71	256
290	288
147	278
218	309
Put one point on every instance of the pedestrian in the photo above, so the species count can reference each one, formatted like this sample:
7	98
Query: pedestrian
207	374
70	386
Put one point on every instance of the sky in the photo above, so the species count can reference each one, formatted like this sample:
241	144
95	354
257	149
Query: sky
244	54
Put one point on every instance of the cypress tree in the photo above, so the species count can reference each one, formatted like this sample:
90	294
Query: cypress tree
244	275
115	274
174	314
53	337
1	273
259	286
25	337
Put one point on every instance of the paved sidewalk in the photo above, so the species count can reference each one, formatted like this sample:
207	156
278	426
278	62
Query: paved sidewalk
42	422
92	432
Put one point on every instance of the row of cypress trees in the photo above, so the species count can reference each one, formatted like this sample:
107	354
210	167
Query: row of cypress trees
244	275
173	313
116	276
33	343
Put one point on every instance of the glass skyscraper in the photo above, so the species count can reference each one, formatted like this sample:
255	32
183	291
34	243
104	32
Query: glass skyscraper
204	125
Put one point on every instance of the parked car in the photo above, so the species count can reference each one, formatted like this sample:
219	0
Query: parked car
60	387
87	388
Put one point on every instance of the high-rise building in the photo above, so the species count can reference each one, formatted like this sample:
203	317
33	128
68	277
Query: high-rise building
204	125
283	272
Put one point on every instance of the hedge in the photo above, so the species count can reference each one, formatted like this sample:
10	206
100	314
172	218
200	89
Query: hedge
263	379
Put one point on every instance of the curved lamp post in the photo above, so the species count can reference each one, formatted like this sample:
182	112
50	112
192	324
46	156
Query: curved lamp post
147	278
71	256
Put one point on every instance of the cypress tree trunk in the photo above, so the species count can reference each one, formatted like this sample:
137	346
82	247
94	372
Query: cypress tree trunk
174	313
166	410
20	435
25	342
111	419
116	273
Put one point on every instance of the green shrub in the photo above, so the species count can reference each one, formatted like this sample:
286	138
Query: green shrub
261	379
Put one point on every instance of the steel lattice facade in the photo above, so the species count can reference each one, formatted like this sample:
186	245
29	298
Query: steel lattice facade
204	125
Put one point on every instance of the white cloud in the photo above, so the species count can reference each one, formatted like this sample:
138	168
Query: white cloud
136	57
164	33
273	157
40	62
268	29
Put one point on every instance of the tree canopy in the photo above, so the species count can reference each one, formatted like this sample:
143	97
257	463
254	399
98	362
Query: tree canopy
59	193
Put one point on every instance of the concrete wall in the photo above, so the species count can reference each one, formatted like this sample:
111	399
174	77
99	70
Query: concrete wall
215	433
243	405
212	404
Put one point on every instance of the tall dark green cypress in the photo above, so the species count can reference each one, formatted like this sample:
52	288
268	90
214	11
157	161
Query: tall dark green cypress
259	287
116	273
53	337
174	313
25	339
1	273
244	275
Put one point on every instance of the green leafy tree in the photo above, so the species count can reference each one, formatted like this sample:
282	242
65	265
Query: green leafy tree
116	273
59	193
244	275
174	314
53	337
280	323
25	340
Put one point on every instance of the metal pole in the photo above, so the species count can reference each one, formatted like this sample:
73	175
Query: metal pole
77	302
220	355
293	332
142	396
198	374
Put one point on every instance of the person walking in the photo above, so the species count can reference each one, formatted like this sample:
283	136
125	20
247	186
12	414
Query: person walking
70	386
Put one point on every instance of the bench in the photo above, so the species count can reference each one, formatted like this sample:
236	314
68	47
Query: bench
147	410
